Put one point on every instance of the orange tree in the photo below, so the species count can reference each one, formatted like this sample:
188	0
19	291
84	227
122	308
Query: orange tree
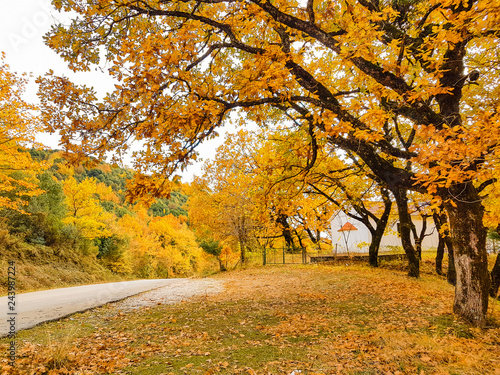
391	81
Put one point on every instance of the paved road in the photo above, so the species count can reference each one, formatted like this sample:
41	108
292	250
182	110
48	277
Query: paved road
37	307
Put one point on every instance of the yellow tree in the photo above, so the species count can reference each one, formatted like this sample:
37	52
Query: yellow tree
210	230
392	82
226	188
254	192
282	163
18	126
142	242
177	253
84	211
160	246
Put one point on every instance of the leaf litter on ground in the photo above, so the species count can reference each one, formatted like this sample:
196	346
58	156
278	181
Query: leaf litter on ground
275	320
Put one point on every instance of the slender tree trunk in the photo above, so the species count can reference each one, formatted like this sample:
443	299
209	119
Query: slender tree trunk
405	232
451	275
282	220
243	252
445	239
222	266
419	237
418	247
377	235
440	256
438	221
468	235
380	229
373	251
495	277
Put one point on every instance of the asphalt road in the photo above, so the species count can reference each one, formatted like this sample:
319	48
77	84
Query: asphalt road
34	308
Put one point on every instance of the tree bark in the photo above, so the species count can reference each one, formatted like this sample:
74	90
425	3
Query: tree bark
495	278
444	241
440	256
451	275
222	266
438	220
373	250
243	252
380	229
419	237
405	232
468	235
282	220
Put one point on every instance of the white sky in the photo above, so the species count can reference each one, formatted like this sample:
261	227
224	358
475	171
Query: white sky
22	26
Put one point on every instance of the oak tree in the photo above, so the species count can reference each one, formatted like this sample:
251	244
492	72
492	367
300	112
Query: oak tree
391	81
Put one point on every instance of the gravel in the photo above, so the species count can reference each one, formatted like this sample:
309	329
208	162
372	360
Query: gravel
177	291
32	309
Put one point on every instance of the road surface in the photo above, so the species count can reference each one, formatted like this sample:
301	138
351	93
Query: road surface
34	308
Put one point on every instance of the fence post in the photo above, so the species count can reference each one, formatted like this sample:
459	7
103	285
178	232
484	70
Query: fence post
283	254
264	256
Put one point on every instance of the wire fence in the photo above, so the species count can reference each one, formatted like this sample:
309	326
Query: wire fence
284	256
303	256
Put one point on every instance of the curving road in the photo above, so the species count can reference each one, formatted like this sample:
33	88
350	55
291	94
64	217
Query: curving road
35	308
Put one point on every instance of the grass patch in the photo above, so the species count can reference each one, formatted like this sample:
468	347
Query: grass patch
40	267
277	320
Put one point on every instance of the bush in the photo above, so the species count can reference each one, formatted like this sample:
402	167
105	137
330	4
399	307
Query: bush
113	254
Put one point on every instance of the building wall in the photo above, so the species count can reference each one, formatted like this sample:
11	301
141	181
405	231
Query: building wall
358	241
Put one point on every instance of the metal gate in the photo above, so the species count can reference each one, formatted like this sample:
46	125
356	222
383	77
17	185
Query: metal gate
284	256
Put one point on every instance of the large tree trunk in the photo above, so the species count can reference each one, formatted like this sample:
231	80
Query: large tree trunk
468	235
282	220
405	232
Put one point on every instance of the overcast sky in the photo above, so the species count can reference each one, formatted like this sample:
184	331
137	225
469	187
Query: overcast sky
22	26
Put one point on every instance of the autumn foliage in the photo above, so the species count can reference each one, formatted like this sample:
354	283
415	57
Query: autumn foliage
18	126
408	88
81	215
277	320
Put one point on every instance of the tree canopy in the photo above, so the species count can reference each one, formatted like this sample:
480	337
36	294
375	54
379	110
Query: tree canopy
409	87
18	126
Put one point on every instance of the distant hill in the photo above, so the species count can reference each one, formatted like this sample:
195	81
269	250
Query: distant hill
81	229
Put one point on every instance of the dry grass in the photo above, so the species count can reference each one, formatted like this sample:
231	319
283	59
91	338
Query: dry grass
279	320
40	267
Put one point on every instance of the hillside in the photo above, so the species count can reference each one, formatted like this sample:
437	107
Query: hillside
79	229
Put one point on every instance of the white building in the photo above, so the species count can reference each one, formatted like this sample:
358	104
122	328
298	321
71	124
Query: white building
352	236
